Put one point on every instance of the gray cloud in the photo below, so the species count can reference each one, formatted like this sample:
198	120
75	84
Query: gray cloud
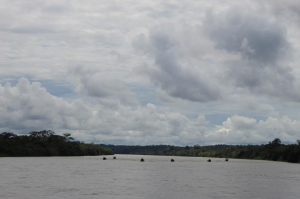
275	81
183	83
288	10
95	84
254	36
263	47
184	71
170	72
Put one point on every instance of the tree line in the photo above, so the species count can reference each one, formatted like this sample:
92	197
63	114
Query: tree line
274	150
47	143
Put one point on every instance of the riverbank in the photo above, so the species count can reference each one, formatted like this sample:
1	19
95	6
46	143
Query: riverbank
274	151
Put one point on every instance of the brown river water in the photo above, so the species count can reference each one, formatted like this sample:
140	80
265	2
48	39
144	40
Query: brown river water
156	178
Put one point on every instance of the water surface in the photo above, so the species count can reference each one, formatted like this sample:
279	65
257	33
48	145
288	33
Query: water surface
156	178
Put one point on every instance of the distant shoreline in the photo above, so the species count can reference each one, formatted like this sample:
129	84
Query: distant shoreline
273	151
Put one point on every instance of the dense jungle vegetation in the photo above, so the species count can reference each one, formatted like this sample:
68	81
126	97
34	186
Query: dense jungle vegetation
47	143
274	150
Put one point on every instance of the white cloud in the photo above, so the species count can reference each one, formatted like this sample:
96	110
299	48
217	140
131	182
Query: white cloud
239	129
26	107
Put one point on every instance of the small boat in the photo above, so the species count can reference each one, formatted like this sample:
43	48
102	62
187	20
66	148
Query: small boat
172	160
209	160
104	158
142	160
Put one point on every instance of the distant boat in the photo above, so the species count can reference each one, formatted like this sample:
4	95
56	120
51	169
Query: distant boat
142	160
226	159
104	158
172	160
115	157
209	160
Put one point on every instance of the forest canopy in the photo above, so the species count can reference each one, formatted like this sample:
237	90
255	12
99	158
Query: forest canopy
47	143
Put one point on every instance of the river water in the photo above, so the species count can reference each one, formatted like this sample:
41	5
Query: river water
156	178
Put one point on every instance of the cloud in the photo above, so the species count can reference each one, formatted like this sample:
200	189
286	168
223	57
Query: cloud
254	36
263	47
223	59
289	10
171	71
252	103
239	129
28	106
93	83
230	52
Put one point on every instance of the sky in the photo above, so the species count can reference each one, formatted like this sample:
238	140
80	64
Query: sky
152	72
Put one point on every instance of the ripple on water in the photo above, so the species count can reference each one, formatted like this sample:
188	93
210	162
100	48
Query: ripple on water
157	177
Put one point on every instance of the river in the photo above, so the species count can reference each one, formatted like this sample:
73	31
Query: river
156	178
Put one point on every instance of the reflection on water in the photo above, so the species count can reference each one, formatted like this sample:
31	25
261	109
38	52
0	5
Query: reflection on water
157	177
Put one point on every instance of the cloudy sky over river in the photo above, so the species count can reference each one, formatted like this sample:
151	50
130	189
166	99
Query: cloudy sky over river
152	72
